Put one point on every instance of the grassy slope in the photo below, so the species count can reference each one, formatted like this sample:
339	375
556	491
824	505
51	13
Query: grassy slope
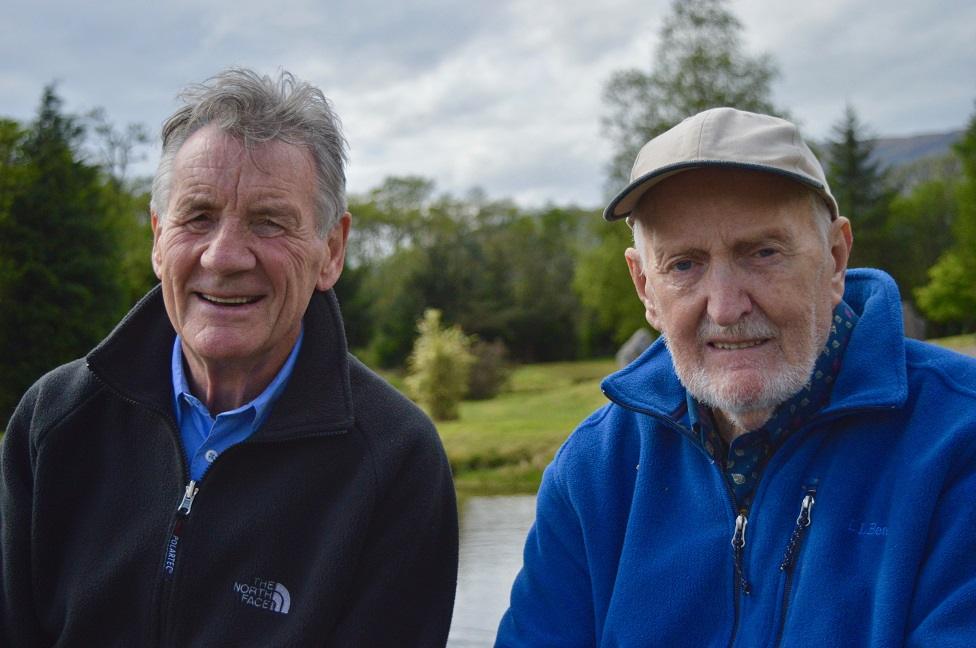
502	445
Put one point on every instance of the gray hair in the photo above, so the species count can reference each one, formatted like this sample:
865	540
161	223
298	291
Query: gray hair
258	109
819	209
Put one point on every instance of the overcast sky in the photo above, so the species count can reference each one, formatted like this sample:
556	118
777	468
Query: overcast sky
504	95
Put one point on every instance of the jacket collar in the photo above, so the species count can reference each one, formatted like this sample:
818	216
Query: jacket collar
872	375
134	361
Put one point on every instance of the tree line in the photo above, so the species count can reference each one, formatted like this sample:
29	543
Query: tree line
548	283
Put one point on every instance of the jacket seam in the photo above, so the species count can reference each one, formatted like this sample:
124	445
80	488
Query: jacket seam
946	379
44	431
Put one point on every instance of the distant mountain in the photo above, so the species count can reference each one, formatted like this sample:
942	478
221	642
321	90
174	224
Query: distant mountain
894	152
912	159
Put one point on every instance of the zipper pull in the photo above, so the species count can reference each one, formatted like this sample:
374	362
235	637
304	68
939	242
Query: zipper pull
739	537
187	502
806	509
803	520
738	544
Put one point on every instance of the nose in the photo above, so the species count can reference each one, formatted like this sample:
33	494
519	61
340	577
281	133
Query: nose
727	294
228	250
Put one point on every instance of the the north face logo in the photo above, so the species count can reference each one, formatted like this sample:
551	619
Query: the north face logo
264	594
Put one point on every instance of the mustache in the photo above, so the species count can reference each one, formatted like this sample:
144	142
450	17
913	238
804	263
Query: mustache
753	326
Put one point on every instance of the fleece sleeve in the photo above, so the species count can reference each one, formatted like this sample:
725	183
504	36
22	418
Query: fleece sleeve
407	575
551	602
944	603
18	619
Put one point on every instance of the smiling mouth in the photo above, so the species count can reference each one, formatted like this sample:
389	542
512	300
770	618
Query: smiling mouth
736	346
227	301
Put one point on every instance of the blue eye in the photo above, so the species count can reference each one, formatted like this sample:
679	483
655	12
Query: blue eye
766	252
683	266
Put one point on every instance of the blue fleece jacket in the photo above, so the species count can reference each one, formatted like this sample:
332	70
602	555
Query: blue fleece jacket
632	544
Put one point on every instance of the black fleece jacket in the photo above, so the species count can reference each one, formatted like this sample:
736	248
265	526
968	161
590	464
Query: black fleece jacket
333	524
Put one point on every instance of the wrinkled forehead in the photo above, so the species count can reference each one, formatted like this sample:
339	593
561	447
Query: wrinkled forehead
727	206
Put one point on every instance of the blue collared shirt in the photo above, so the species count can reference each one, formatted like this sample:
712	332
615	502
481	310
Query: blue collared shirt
205	437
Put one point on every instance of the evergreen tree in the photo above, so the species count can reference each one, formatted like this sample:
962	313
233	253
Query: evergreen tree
861	188
699	64
60	287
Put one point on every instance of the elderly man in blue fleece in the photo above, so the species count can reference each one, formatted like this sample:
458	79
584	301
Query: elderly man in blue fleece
782	467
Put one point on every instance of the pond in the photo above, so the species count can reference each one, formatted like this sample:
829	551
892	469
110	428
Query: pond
493	533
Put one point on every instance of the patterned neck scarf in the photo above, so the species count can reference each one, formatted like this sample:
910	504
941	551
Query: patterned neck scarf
745	458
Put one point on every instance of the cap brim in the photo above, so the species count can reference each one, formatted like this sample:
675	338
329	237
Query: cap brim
624	203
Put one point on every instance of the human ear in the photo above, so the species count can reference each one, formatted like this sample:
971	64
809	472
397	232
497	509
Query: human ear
156	255
336	241
841	239
645	292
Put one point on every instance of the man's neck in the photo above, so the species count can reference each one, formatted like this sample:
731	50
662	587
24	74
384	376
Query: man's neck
731	426
223	387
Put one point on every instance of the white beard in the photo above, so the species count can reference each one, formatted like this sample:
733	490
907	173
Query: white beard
731	397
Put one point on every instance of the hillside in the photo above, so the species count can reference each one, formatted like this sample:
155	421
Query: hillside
894	152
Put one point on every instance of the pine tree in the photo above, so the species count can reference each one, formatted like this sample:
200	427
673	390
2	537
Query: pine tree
60	286
861	188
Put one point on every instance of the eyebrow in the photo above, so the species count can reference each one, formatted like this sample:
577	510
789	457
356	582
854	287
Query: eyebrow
193	202
777	234
275	207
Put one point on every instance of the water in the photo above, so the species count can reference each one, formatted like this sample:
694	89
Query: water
493	533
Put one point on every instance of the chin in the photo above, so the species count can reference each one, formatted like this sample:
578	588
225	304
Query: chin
745	392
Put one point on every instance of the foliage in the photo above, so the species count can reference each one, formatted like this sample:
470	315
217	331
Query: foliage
490	371
918	232
60	285
499	272
861	189
605	289
699	64
950	295
439	366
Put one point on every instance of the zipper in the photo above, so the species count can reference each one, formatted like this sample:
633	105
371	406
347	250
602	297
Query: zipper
182	513
172	553
738	544
803	521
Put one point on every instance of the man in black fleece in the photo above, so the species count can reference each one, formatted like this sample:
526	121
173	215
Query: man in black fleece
219	471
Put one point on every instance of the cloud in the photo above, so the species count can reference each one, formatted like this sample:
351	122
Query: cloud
503	95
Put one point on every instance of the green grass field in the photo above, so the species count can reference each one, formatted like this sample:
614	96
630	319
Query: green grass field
502	445
957	342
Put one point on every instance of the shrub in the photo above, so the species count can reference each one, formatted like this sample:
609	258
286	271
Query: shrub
490	371
439	366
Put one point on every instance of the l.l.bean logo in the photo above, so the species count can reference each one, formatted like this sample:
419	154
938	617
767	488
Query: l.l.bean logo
873	529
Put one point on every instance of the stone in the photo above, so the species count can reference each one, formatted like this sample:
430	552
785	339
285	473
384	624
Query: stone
634	346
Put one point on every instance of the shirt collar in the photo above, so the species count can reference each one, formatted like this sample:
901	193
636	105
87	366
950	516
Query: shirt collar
260	405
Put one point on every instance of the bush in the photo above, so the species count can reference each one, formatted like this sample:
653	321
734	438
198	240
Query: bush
439	366
490	371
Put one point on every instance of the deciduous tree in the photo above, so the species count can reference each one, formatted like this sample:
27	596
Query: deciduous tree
699	63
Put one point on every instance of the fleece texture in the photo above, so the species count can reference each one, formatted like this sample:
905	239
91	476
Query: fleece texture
333	524
632	541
